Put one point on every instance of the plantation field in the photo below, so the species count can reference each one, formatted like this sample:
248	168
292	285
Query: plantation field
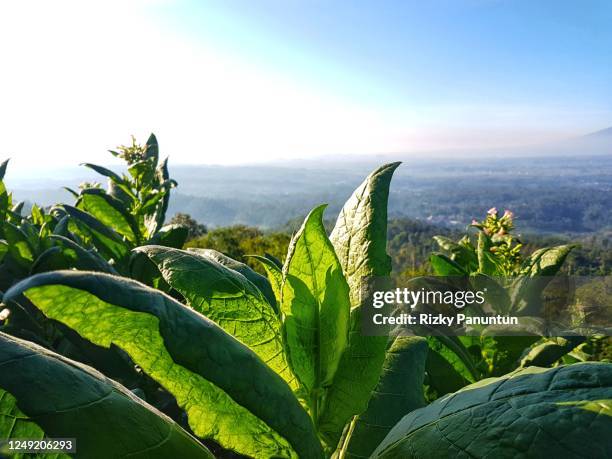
140	334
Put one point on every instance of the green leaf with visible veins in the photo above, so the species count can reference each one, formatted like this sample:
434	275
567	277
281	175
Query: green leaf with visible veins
534	412
155	218
68	254
109	211
227	298
227	391
315	305
18	245
43	394
536	273
275	274
464	256
487	263
546	261
107	241
360	240
399	391
261	282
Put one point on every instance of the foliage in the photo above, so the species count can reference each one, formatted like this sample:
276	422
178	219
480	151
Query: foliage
499	240
360	240
315	305
205	351
43	395
194	229
399	391
143	337
134	205
515	282
525	413
240	241
212	380
96	233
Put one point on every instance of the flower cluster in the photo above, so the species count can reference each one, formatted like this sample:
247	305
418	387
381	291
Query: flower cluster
131	154
87	185
504	245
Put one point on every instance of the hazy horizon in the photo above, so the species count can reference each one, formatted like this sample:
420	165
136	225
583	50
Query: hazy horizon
234	82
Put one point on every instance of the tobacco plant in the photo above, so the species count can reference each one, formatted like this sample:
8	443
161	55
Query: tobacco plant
131	211
81	237
492	260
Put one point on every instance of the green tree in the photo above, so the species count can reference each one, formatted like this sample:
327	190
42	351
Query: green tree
194	228
239	241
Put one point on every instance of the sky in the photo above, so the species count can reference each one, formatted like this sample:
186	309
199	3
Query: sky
242	81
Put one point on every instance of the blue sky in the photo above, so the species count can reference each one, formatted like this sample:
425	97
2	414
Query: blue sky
414	52
246	81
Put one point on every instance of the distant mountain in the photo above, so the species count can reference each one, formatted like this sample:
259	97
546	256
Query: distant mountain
595	143
603	133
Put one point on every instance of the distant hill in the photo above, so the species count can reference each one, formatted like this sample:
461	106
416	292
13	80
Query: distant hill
603	133
569	194
548	194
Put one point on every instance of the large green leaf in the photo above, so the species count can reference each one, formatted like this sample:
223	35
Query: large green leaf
3	168
563	412
106	172
487	263
43	394
399	391
68	254
444	266
110	211
18	244
154	219
550	350
360	240
442	376
464	255
171	236
536	273
257	279
315	305
454	351
546	261
275	274
226	297
152	149
108	242
228	393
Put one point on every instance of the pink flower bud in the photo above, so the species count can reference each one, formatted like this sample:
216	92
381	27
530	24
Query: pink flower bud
492	211
474	222
508	214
